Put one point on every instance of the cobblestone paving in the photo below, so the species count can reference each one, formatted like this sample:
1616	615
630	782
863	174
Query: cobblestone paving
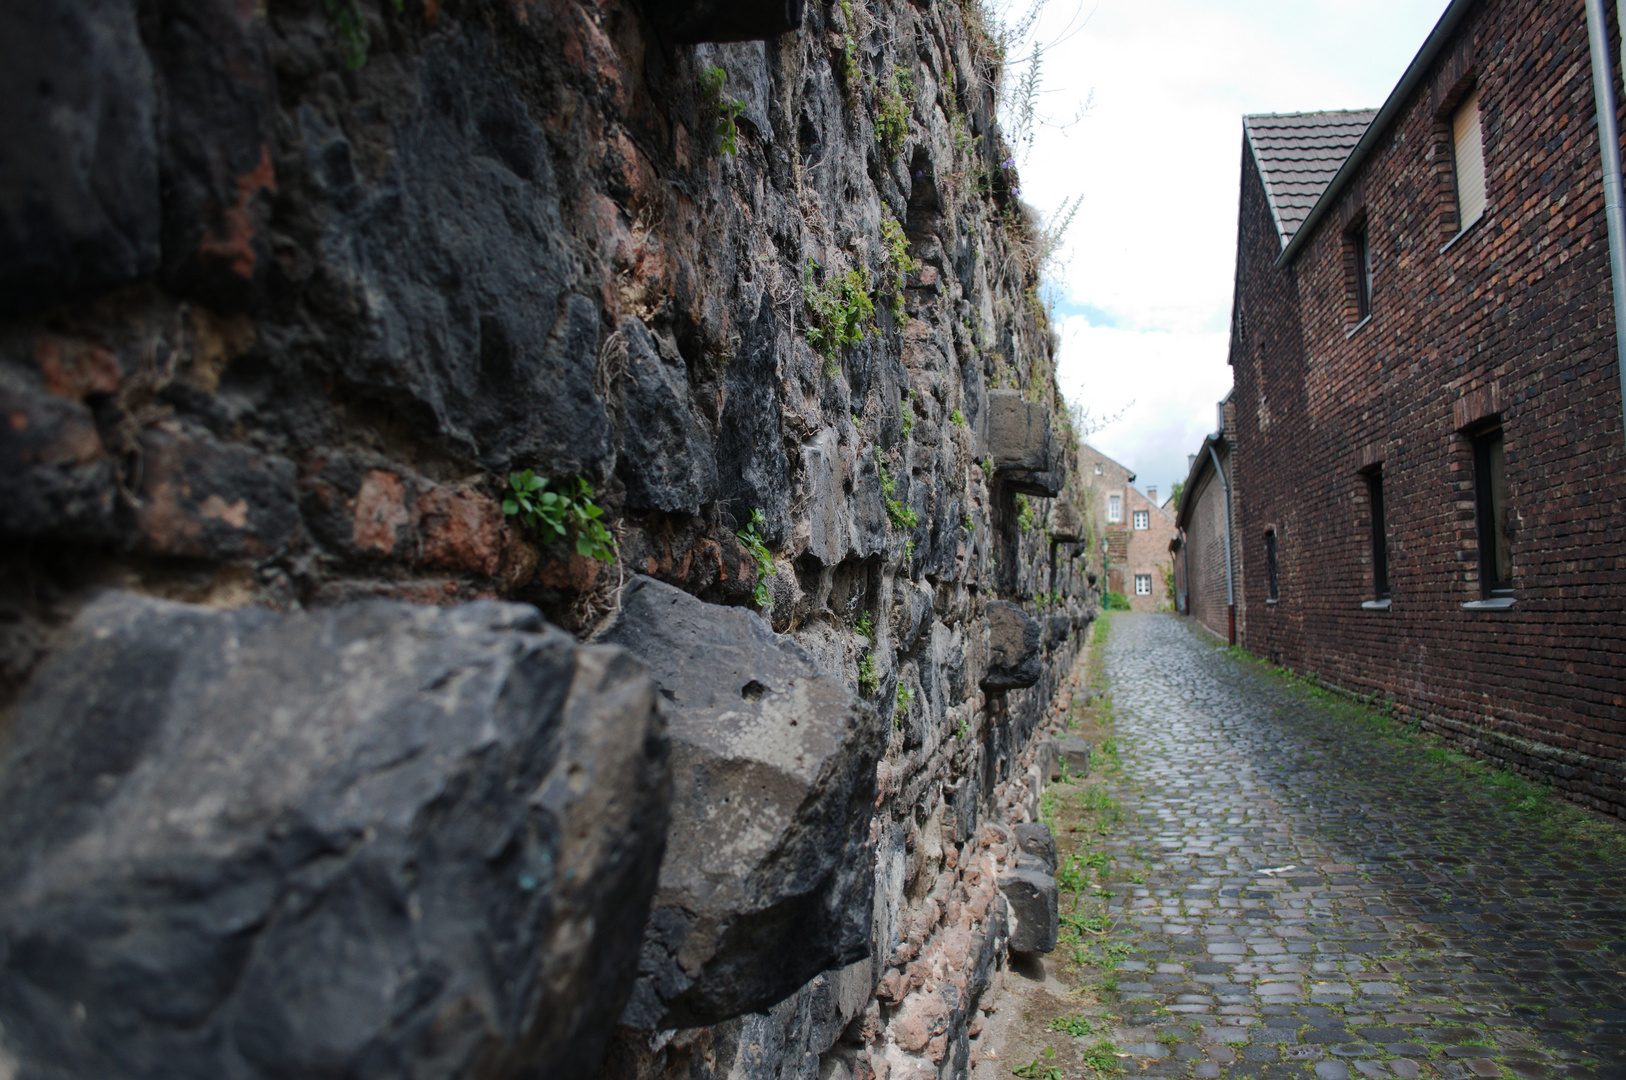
1319	901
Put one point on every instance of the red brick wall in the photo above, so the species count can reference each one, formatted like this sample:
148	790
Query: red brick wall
1205	555
1515	319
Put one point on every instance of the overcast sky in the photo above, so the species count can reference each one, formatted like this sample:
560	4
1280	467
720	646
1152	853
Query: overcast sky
1144	298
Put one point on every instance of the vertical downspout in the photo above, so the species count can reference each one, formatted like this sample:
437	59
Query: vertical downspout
1230	586
1603	88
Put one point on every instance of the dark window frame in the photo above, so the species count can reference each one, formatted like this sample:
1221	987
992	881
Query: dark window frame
1361	251
1272	569
1490	459
1377	511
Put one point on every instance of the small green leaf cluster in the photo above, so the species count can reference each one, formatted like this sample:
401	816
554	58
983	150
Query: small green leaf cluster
345	16
726	108
956	418
900	707
908	419
900	514
866	626
1072	1025
553	515
1103	1056
895	97
751	538
967	524
899	264
1036	1071
1025	517
1116	601
866	673
840	309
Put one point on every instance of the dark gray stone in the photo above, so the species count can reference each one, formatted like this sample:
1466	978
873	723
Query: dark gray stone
1075	755
1056	629
79	203
55	478
1034	838
769	873
1067	524
693	21
1014	657
1047	757
372	841
666	454
457	272
1018	439
753	471
1032	899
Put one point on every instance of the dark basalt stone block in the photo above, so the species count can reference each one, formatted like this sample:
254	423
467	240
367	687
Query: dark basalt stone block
1019	440
693	21
1014	656
1034	914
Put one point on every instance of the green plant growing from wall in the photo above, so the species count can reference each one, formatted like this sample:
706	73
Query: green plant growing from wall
553	515
900	707
751	538
840	308
726	109
957	419
899	263
1025	516
899	513
346	20
908	412
866	673
895	97
866	626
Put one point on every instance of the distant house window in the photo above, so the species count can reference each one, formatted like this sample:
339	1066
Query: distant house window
1115	509
1098	468
1470	161
1380	534
1143	584
1271	578
1495	525
1143	519
1361	258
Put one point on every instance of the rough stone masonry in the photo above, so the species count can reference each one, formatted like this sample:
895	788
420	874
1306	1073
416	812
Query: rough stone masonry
313	759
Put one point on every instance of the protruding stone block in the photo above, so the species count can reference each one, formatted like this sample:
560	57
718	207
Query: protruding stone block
1067	525
1048	759
1032	899
1024	451
1034	838
769	872
1014	658
692	21
372	841
1075	755
1056	629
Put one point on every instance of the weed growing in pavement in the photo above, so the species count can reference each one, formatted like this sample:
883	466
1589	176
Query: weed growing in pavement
751	538
1037	1070
1105	1058
1075	1026
552	515
1169	1037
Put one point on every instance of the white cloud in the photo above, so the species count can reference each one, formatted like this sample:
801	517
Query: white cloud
1151	253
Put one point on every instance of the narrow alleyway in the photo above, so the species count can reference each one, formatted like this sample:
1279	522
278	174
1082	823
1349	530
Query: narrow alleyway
1289	891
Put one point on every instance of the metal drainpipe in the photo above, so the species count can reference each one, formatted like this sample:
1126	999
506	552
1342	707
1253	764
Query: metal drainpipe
1603	88
1230	585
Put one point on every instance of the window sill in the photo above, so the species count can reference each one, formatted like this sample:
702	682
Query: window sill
1462	232
1271	603
1375	605
1358	327
1495	603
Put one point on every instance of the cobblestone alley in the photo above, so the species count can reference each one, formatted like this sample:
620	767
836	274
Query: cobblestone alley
1292	892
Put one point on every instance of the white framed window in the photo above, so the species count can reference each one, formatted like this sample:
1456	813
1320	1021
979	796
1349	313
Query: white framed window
1115	509
1098	468
1469	147
1143	519
1143	584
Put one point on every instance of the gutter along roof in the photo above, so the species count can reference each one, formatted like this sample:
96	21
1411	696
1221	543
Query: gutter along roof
1386	116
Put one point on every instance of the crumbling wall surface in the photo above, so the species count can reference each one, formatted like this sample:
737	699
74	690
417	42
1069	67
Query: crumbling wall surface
289	292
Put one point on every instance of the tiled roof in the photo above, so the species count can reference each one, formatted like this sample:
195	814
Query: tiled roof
1298	154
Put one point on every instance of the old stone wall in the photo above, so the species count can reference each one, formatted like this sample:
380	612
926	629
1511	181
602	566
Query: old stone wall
1507	321
290	293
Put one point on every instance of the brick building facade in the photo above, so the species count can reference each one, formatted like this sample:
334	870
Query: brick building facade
1428	413
1199	547
1134	528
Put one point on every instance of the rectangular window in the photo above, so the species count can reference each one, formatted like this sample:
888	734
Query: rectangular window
1363	271
1495	526
1470	162
1143	584
1270	563
1115	509
1143	519
1380	534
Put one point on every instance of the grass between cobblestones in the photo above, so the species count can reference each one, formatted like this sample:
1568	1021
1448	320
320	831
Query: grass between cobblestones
1263	878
